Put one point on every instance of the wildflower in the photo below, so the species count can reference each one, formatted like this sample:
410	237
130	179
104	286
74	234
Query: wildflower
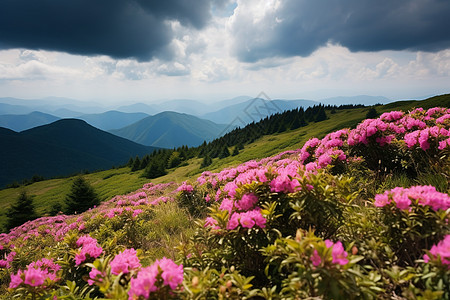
315	258
247	201
16	280
146	280
89	246
125	262
94	275
185	187
34	277
338	253
441	250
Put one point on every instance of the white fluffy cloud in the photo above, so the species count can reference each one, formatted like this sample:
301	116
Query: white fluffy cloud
204	63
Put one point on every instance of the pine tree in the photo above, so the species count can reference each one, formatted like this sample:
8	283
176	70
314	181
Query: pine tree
321	115
81	197
206	161
21	211
372	113
136	164
235	151
154	169
224	152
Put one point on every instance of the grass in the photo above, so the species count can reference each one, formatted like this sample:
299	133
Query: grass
121	181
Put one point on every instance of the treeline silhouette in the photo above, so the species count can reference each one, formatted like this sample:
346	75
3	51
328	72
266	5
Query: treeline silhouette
157	163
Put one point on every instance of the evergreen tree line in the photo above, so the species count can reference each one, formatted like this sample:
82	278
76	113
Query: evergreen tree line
157	163
81	197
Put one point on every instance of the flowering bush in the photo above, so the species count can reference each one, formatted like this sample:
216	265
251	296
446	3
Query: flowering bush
321	221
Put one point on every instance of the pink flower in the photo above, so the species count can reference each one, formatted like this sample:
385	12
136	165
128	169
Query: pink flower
136	212
211	222
339	254
282	183
125	262
381	200
315	258
422	195
172	274
94	275
146	280
247	201
35	277
89	246
185	187
441	250
16	280
233	222
246	221
144	283
230	187
227	204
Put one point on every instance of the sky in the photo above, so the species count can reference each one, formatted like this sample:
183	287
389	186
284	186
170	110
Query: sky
113	51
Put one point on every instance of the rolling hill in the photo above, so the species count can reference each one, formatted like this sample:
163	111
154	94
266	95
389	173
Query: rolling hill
61	148
24	122
121	181
171	129
112	119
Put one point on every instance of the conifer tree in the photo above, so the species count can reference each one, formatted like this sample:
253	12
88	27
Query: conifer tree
372	113
207	160
136	164
81	197
321	115
235	151
21	211
155	169
224	152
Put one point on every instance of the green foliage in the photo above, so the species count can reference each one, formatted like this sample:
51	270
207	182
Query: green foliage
372	113
81	197
21	211
206	161
154	170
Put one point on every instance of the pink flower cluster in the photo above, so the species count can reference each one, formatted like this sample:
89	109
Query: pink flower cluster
185	187
425	136
57	227
248	219
125	262
317	153
422	128
36	274
6	263
89	246
421	195
441	250
339	255
163	272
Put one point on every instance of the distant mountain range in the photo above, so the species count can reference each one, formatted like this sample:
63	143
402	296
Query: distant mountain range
253	110
61	148
362	99
112	119
171	129
24	122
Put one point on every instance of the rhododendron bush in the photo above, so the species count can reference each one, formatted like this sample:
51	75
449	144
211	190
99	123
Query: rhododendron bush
324	221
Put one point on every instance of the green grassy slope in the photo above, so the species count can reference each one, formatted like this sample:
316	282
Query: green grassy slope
121	181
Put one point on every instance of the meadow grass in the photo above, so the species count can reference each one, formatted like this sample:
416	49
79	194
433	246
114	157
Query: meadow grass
119	181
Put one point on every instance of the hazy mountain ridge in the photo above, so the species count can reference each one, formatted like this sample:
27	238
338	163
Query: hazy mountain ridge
171	129
254	110
61	148
112	119
24	122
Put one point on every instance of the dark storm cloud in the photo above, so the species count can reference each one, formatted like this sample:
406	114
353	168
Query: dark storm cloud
118	28
298	27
